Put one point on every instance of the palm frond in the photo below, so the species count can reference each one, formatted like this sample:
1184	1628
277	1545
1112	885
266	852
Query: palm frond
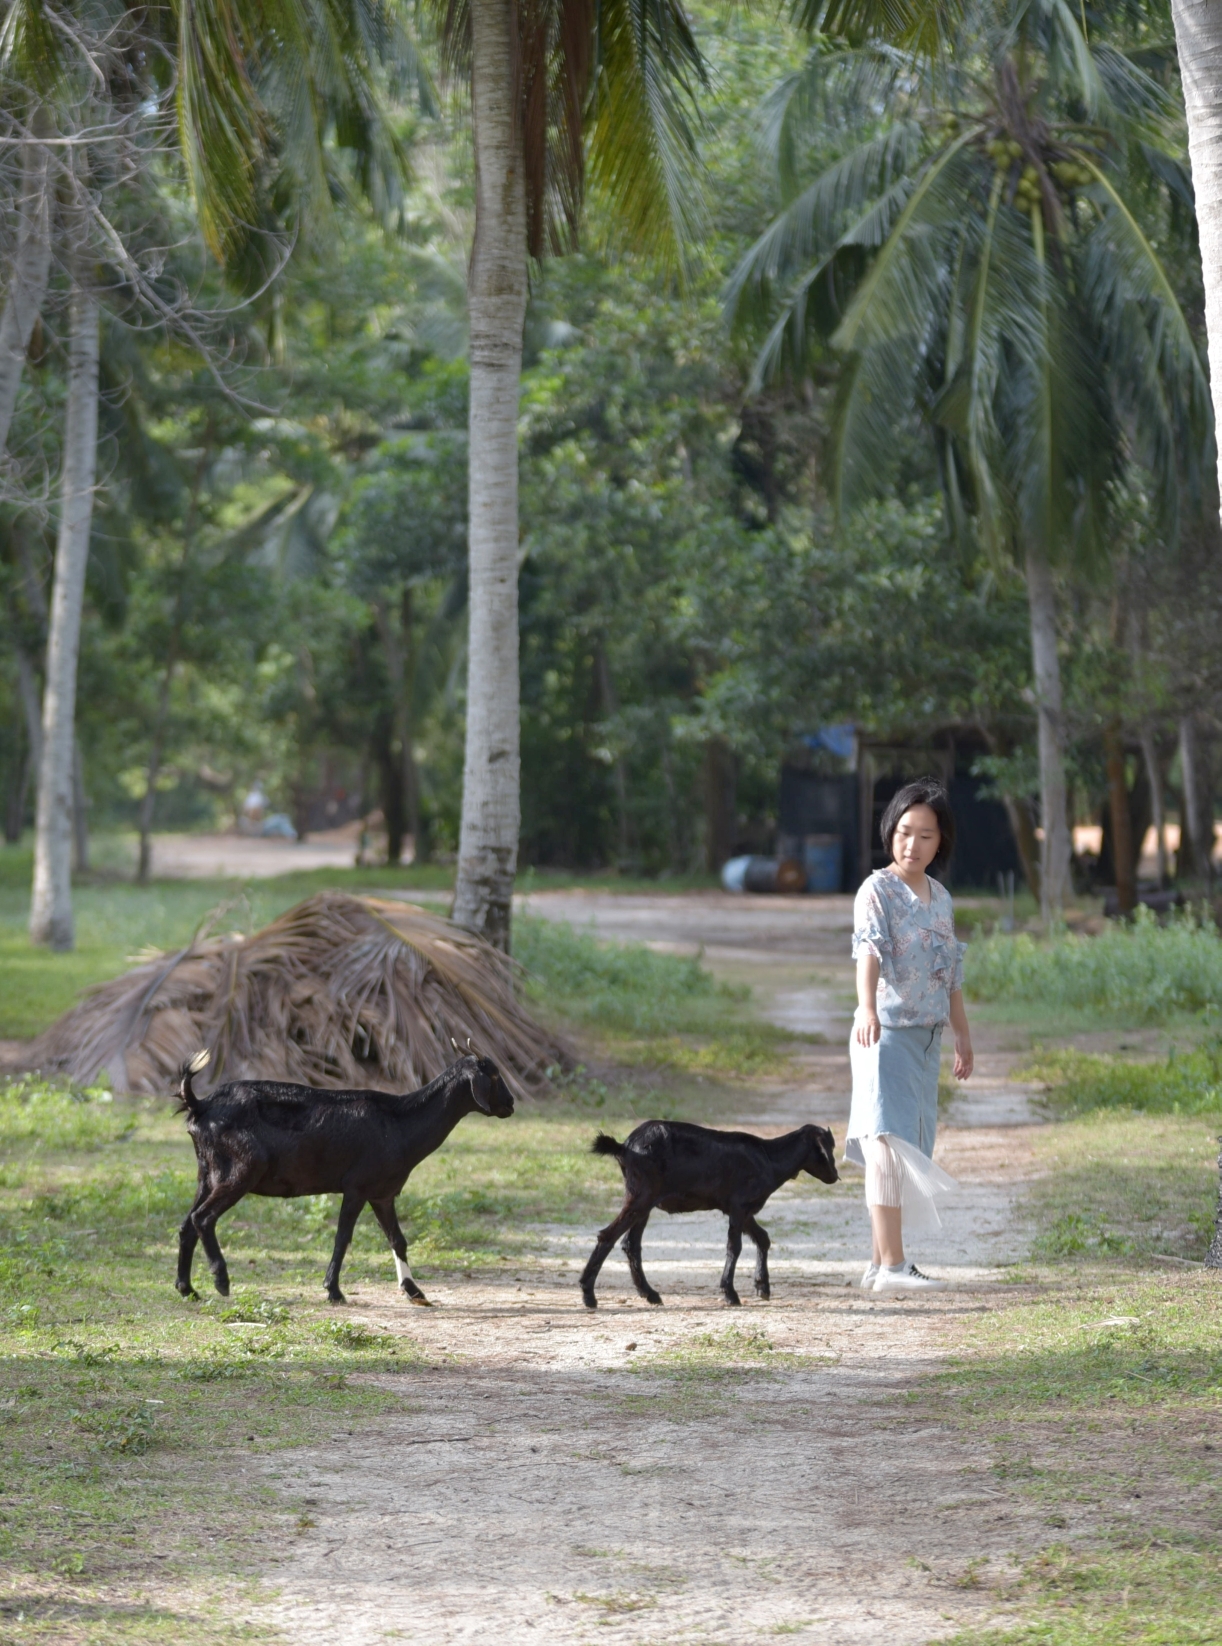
640	125
338	992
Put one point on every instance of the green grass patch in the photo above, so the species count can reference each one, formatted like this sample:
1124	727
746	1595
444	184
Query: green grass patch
1096	1385
1140	972
1123	1186
1188	1083
114	1393
661	1010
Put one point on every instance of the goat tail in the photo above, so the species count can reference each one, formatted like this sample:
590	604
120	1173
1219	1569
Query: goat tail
603	1144
188	1103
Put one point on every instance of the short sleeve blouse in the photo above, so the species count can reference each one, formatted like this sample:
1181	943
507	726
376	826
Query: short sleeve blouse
920	961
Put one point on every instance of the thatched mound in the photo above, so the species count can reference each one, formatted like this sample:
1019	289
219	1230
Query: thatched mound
340	991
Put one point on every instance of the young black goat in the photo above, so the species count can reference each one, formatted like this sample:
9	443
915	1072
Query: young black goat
684	1168
269	1138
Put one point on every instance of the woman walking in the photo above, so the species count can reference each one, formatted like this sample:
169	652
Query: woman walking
909	985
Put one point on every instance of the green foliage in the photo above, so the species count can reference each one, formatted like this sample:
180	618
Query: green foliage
623	987
1143	972
55	1117
1183	1083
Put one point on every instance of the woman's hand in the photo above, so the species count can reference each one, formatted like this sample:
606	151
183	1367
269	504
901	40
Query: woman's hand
965	1062
867	1030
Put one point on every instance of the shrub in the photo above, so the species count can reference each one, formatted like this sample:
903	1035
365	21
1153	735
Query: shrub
1142	971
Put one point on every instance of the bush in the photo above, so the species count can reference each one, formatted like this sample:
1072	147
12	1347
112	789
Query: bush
1144	972
622	987
1189	1083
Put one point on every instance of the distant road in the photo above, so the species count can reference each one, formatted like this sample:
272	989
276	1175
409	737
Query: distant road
247	857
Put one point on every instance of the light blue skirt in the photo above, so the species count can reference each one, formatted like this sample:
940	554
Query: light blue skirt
895	1089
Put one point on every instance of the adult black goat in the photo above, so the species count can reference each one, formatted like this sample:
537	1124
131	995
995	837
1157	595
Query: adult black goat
267	1137
685	1168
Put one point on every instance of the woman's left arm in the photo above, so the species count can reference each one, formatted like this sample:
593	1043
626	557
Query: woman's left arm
964	1060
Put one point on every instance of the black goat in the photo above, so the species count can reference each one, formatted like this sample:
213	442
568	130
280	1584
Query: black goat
269	1138
684	1168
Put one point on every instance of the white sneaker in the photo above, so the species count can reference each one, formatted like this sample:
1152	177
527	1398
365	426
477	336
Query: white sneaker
906	1278
870	1276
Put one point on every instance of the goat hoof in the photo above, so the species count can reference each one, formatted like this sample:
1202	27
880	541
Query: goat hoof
420	1301
187	1293
763	1291
590	1301
653	1297
732	1298
221	1282
336	1296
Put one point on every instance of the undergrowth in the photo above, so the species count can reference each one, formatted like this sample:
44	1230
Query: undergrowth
1141	972
1188	1083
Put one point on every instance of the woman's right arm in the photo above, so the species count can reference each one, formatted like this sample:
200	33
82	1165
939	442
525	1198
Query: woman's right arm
866	1027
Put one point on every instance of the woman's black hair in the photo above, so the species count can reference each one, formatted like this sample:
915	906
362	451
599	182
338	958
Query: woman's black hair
925	791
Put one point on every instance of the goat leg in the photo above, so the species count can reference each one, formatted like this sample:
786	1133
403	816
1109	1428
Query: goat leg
187	1241
632	1251
204	1217
350	1208
763	1286
734	1245
384	1211
607	1237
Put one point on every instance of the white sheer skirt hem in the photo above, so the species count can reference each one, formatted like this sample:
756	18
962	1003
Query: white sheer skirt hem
920	1182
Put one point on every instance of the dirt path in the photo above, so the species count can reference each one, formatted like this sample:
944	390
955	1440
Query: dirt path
689	1473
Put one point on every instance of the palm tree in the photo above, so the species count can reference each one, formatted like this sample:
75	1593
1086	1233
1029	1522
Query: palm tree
256	92
977	255
548	78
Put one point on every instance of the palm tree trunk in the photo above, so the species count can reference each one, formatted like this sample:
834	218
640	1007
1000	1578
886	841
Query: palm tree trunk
1198	34
491	813
1196	818
1122	822
31	266
51	903
1154	777
1046	665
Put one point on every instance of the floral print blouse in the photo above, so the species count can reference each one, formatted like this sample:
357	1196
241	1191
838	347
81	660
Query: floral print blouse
920	962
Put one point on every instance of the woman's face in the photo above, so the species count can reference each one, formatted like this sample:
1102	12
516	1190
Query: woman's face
917	837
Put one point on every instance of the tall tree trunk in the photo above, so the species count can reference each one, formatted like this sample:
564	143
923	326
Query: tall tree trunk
1154	777
496	302
1026	844
51	903
1196	821
31	266
1198	35
1046	665
1122	822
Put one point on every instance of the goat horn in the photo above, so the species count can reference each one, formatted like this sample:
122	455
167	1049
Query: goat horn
200	1061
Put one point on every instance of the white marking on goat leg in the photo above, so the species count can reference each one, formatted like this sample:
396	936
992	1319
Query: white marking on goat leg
402	1272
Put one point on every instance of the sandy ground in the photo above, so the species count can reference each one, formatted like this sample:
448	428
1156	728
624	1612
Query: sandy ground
248	857
555	1477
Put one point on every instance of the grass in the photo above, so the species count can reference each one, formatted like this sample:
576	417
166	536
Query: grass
655	1009
113	1390
1097	1387
1188	1083
1141	972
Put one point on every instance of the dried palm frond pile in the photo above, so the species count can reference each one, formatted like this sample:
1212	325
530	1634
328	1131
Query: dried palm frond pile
339	992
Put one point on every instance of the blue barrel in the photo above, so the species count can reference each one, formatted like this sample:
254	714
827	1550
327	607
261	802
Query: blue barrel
823	855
